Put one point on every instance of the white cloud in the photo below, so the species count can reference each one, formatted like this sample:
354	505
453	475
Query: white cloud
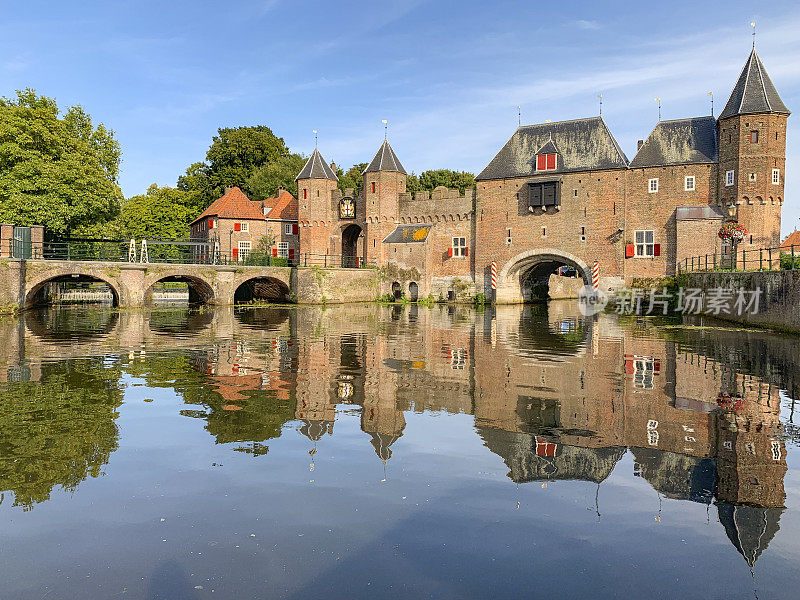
588	25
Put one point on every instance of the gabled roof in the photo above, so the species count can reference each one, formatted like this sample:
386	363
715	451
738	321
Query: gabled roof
583	145
548	148
679	142
385	160
282	206
793	239
233	205
316	168
754	92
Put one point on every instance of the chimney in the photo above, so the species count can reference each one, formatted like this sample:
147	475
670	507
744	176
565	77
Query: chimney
333	166
228	188
639	145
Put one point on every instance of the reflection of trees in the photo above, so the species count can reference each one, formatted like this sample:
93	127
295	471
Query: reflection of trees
57	431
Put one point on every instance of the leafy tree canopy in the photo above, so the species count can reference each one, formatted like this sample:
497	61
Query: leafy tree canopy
161	213
57	172
430	180
265	181
235	154
353	178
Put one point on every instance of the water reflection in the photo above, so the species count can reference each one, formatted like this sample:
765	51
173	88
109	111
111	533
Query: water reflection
554	396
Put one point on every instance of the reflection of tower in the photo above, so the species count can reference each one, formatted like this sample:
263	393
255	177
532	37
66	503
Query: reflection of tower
384	422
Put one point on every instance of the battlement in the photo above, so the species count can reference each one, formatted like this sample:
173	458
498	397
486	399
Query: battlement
440	193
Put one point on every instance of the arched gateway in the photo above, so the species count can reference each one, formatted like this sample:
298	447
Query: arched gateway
520	277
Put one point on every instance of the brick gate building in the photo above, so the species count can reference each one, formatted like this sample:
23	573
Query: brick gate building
560	194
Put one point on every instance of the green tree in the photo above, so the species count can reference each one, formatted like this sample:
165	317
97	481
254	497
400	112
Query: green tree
353	178
429	180
161	213
233	157
57	172
266	180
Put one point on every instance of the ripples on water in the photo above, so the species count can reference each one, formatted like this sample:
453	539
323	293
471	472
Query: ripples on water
373	452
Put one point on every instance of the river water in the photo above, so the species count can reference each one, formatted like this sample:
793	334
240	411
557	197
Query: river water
395	452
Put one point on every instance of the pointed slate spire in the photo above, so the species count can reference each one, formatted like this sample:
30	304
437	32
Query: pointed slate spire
316	168
385	160
754	92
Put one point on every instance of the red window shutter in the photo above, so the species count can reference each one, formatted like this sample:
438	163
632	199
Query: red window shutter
629	368
629	250
237	226
235	253
541	162
373	187
551	161
656	366
294	229
275	252
291	252
656	249
466	251
449	253
305	194
211	223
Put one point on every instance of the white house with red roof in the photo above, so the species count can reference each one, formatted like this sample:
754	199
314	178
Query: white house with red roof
235	225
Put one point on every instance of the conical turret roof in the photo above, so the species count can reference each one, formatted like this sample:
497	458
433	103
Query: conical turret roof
385	160
754	92
316	168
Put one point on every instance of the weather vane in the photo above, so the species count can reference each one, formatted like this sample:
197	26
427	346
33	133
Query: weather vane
385	129
601	103
659	108
712	102
519	116
316	139
753	25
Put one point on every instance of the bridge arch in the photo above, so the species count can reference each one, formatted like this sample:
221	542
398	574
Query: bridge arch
520	277
200	290
261	288
36	289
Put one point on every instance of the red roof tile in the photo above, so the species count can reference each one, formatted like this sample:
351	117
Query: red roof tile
793	239
234	205
284	206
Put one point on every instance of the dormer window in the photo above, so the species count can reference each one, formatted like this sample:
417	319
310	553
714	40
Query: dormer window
545	162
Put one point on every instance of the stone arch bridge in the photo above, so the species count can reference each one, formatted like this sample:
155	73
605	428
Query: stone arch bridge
23	283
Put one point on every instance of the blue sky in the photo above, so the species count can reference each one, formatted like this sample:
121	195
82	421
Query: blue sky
447	75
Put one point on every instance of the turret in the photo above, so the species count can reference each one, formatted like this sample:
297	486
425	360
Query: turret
752	155
384	181
316	183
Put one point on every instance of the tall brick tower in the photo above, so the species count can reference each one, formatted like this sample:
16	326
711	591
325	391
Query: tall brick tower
316	183
384	181
752	155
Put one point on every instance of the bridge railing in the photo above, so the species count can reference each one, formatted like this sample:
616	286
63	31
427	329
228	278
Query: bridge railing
755	259
177	252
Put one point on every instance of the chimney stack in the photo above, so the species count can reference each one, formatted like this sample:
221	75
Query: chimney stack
639	145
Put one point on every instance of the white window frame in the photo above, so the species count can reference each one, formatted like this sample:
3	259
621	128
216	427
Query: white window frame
288	229
652	185
730	178
245	246
459	246
689	183
283	249
244	227
643	247
776	176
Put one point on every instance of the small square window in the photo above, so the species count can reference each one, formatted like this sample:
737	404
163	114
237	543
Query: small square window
688	183
283	249
645	245
776	176
459	246
652	186
288	228
245	226
729	177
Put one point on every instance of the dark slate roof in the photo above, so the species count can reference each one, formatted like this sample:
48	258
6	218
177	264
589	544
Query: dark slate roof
406	234
749	528
548	148
677	476
385	160
754	92
679	142
691	213
583	145
316	168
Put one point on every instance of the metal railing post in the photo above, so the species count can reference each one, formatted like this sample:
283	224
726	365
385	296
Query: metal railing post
770	259
760	259
792	257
